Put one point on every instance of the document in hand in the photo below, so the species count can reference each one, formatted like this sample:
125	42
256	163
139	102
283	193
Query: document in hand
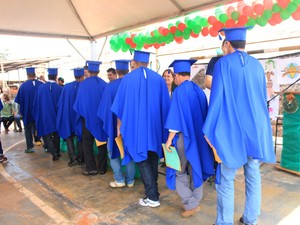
172	158
119	142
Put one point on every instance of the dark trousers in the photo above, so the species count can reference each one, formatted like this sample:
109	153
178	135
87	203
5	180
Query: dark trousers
149	175
7	121
88	151
18	122
53	142
28	134
102	158
71	148
1	149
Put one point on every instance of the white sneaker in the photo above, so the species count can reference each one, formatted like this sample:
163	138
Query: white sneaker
115	184
147	202
130	185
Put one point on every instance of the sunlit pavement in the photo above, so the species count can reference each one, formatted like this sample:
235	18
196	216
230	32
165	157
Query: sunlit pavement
35	190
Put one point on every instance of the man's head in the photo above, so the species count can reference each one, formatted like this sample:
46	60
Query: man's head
140	58
93	67
61	81
122	67
235	38
111	74
52	73
182	70
30	72
79	74
86	72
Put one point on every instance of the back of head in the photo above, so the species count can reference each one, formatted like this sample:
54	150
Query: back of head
93	67
52	73
140	58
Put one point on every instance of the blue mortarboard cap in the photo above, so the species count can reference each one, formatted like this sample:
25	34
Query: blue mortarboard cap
235	33
122	64
93	66
182	65
30	70
141	56
78	72
52	71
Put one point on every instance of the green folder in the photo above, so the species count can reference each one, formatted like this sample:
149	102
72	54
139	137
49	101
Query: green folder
172	158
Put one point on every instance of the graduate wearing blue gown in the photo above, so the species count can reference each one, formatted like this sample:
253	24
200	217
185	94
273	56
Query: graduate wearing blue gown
25	98
238	126
141	105
67	117
86	106
185	120
110	126
45	112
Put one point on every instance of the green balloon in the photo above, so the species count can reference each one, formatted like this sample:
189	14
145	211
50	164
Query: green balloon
261	21
197	19
204	22
186	36
267	14
187	31
285	14
178	33
223	17
197	29
251	22
191	24
276	8
292	7
297	2
156	33
235	15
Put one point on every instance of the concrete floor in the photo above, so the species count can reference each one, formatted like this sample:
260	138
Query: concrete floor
35	190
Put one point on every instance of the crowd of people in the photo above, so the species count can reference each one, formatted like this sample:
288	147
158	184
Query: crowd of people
145	110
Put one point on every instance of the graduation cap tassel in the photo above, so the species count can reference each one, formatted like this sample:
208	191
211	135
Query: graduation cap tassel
145	74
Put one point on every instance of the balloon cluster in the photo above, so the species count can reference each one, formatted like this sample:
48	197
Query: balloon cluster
267	12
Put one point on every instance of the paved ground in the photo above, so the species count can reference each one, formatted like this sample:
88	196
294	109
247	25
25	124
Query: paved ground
35	190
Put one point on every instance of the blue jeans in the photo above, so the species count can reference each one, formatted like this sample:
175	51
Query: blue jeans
149	175
28	134
117	169
225	194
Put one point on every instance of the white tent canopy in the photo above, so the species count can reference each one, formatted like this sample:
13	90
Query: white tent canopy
89	19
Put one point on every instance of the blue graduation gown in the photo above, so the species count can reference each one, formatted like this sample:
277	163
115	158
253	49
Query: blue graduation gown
142	104
66	116
86	105
45	108
238	123
108	118
25	98
187	114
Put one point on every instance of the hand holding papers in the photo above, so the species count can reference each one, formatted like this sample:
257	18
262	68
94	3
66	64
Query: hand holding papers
119	143
172	158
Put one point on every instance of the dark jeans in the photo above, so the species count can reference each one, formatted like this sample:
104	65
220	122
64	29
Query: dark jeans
149	174
53	142
71	148
1	149
18	122
28	134
7	121
102	158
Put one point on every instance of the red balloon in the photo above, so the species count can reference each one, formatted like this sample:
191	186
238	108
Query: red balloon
230	23
230	9
178	40
146	46
296	14
242	21
152	33
276	18
156	46
165	32
283	3
247	10
160	30
128	41
212	20
240	6
181	27
218	25
205	31
268	4
173	29
272	22
194	35
258	9
132	45
213	32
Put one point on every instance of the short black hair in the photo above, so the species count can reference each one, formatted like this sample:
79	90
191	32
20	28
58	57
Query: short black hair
61	79
122	72
112	70
52	77
85	67
185	73
238	44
